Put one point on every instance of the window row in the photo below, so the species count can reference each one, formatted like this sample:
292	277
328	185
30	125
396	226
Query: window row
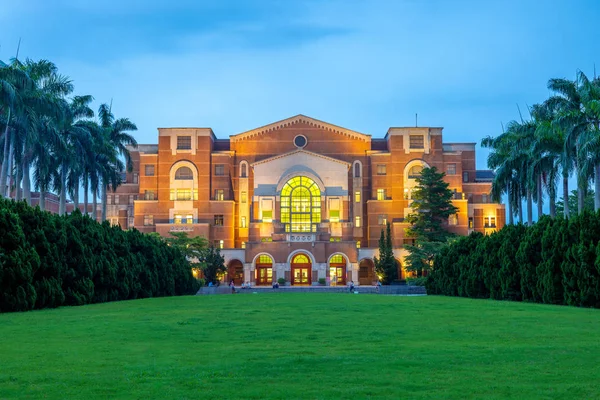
116	199
183	194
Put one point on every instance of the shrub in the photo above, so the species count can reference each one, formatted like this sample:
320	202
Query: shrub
281	281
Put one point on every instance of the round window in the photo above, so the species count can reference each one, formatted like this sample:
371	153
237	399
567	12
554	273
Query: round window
300	141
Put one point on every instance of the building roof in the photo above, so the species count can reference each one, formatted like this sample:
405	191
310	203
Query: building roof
484	176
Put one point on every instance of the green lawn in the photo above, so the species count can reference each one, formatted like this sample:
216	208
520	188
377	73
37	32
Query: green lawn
300	345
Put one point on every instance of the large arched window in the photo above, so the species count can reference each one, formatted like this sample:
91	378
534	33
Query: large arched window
415	172
300	205
184	173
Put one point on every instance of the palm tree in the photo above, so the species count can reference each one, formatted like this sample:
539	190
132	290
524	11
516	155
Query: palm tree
569	118
75	137
121	141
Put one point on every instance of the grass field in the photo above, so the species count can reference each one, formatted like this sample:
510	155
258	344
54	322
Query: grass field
300	345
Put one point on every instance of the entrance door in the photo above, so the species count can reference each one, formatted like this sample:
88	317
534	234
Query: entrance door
264	275
301	270
366	272
337	270
264	270
236	272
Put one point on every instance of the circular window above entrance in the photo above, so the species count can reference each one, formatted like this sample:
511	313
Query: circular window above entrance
300	141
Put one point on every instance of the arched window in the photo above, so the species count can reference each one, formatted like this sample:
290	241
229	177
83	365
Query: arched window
301	259
184	173
244	170
264	259
415	171
357	170
300	205
337	259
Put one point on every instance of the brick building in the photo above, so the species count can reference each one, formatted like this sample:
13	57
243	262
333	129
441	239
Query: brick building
299	198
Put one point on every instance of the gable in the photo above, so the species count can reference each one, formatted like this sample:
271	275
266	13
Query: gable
300	120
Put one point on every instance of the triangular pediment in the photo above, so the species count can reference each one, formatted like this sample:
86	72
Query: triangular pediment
298	152
296	120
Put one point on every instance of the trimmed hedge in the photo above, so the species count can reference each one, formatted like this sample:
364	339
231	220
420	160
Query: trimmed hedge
48	261
555	261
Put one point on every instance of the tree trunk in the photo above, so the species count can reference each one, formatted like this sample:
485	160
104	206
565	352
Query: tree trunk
42	200
19	178
597	187
4	171
86	190
566	195
511	220
94	204
521	210
103	204
540	203
529	207
11	159
76	196
26	181
552	198
62	201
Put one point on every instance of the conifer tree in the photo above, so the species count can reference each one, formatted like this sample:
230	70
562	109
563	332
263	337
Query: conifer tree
386	266
432	205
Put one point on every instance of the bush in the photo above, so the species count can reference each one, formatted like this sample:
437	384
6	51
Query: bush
47	260
322	281
281	281
555	261
420	281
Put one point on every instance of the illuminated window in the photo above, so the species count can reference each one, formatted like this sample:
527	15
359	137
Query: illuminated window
149	170
382	219
358	244
453	219
184	142
183	194
219	194
335	239
334	210
490	222
149	195
357	197
381	194
184	173
301	259
301	205
243	245
381	169
148	220
219	244
178	219
470	222
189	219
357	222
244	197
337	259
220	169
218	220
417	142
451	169
264	259
266	206
415	172
243	223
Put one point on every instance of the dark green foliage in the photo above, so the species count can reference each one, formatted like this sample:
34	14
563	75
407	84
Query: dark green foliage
555	261
386	265
213	264
47	261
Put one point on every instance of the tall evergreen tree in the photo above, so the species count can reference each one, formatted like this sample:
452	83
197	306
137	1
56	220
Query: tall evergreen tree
386	265
432	205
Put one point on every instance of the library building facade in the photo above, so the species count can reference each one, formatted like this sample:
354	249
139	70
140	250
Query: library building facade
299	199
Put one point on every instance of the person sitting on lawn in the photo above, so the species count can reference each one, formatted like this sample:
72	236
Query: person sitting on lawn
351	288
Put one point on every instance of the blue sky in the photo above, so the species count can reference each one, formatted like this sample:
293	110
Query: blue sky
364	65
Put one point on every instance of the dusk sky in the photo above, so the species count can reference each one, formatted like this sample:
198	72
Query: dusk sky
363	65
